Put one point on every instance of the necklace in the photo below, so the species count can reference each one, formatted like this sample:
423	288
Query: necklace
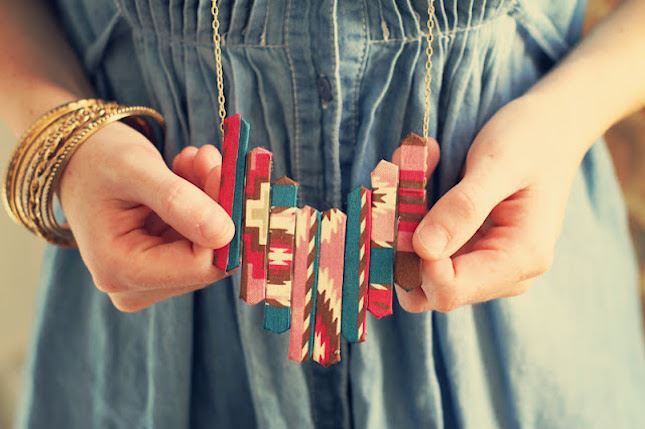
318	274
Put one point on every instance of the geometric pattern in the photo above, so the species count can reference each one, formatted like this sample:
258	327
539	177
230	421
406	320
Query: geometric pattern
282	225
330	288
319	274
255	235
304	287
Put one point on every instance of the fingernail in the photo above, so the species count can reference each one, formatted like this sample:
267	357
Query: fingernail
433	239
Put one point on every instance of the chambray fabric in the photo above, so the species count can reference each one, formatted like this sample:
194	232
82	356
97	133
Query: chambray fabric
331	87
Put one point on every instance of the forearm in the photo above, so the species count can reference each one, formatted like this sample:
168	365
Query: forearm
38	70
602	79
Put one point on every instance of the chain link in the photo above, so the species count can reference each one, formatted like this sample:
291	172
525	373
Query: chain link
217	53
428	69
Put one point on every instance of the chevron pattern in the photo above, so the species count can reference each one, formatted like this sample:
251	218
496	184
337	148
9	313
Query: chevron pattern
330	288
305	278
357	258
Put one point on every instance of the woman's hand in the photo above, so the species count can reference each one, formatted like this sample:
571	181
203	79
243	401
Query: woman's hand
495	231
145	233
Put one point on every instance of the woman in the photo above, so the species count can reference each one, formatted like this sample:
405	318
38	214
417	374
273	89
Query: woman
330	88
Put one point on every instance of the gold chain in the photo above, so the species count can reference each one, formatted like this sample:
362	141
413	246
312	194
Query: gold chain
428	74
217	53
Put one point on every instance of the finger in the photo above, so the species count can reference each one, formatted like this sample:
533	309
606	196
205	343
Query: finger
212	183
182	165
183	206
205	165
457	216
169	235
207	158
413	301
154	224
146	262
119	220
130	302
517	249
463	288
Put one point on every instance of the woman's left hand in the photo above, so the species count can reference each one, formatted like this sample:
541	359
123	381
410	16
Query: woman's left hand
494	232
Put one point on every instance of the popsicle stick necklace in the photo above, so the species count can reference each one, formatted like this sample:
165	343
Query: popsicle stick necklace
319	274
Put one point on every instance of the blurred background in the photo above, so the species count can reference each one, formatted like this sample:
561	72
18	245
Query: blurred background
20	253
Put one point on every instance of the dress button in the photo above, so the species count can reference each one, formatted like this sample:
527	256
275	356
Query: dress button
324	89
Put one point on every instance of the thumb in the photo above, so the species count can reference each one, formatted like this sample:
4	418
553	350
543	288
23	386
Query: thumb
458	215
183	206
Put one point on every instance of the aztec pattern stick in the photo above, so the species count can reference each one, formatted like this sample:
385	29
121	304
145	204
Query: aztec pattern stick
412	207
305	278
320	274
330	288
255	235
282	225
357	260
385	181
236	140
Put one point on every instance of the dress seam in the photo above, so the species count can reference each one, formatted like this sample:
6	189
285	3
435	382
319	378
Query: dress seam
445	34
181	40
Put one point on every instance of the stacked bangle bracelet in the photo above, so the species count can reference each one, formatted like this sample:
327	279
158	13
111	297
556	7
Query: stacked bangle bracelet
36	165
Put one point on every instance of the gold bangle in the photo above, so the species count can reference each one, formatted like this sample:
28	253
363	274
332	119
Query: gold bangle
37	163
41	151
29	169
17	156
47	151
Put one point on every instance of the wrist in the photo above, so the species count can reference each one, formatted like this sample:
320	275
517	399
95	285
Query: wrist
566	121
34	102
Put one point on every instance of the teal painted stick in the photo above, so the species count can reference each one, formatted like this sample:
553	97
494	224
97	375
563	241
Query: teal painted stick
355	276
238	197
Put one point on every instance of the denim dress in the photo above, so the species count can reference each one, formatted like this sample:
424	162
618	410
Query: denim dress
330	87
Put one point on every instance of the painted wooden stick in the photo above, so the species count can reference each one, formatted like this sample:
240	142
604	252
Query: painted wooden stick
305	277
282	225
238	198
385	181
234	148
357	260
412	206
256	225
330	288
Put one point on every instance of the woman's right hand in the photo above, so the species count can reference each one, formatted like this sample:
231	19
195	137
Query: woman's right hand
145	233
